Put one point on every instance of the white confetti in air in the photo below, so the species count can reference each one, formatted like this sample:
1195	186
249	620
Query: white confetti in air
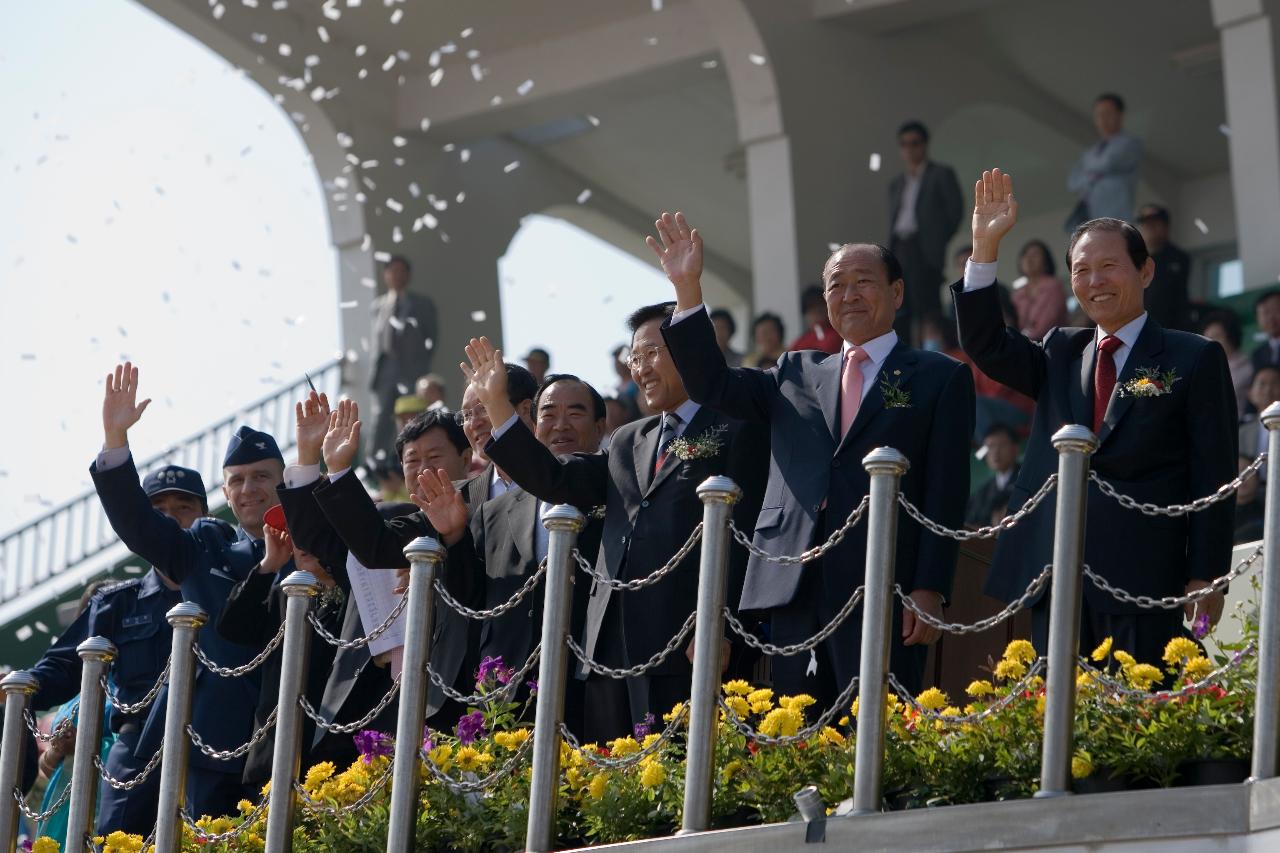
657	5
345	140
473	54
382	257
429	220
1204	229
524	88
23	634
279	5
584	196
477	73
352	4
429	344
284	49
450	47
434	59
460	197
466	34
399	141
511	167
252	4
478	316
351	303
424	125
874	165
388	62
258	38
41	627
323	33
465	155
397	16
353	356
396	234
362	73
710	63
365	243
495	101
831	247
402	388
1225	130
395	205
592	120
436	77
414	189
361	49
218	12
652	41
756	59
311	60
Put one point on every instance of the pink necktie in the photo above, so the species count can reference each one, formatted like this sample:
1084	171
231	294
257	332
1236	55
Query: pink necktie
851	387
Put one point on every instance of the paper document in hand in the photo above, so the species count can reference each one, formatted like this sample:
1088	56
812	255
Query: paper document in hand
374	591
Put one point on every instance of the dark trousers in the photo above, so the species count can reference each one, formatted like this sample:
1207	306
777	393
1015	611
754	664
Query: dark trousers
1142	635
613	707
921	296
132	811
215	792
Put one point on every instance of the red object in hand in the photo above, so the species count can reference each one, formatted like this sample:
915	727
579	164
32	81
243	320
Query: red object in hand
275	518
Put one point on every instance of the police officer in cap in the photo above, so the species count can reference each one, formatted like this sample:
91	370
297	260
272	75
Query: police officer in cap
131	614
207	561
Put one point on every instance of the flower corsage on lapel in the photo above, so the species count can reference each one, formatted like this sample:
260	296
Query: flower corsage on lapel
1150	382
705	446
895	396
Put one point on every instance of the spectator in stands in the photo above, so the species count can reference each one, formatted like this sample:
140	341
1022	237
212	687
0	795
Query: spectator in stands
431	389
1224	327
408	407
925	207
615	415
538	361
1168	300
770	338
404	332
1010	313
726	328
995	403
627	391
1267	312
1263	391
819	333
1105	178
1249	506
1038	295
1000	452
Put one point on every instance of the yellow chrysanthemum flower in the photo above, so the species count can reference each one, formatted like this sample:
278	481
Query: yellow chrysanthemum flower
1021	651
980	687
318	775
623	746
573	776
781	722
731	768
760	700
596	788
932	699
1179	649
650	740
1102	651
513	740
1142	675
738	705
266	789
798	702
1010	670
1198	667
1085	681
244	806
1040	704
441	756
122	842
1081	765
652	774
675	711
1124	658
470	760
843	721
45	844
737	687
831	736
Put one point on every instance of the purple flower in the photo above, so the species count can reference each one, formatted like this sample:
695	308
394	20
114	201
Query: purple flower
1200	627
641	729
532	684
493	669
470	727
427	743
373	744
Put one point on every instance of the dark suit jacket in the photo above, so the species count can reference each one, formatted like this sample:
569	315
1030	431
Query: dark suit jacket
811	463
1167	299
939	206
379	543
1262	357
1167	449
647	519
987	499
412	358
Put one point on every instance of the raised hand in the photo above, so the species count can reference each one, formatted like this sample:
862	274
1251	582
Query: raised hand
312	417
488	375
995	211
120	406
680	254
279	548
342	441
440	500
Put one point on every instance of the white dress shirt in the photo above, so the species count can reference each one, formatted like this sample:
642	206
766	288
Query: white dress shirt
905	225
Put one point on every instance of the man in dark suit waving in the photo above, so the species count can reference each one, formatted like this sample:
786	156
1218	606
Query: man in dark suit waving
826	412
1160	402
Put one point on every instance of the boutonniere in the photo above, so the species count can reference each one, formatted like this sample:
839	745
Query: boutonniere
332	597
597	512
704	446
895	397
1150	382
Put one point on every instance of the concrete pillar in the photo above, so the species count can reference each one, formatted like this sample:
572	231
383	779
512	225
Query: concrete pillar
1249	73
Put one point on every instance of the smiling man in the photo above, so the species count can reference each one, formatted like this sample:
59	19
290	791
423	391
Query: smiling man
1170	446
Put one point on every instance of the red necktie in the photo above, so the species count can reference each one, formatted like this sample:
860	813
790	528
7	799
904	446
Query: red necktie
1104	378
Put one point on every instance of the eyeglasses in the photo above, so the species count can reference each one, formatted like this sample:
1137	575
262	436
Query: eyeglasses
648	357
462	417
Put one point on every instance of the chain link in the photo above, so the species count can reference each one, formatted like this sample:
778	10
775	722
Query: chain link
495	612
844	700
1172	602
597	760
58	731
348	728
1223	492
235	671
1023	601
982	532
502	694
648	580
1101	677
242	749
138	778
813	553
804	645
339	811
630	672
141	704
314	618
1016	692
41	817
461	786
231	834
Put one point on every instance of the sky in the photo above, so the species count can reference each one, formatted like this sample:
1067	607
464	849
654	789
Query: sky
175	219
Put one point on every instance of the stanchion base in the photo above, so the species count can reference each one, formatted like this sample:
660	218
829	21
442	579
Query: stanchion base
682	832
861	812
1045	795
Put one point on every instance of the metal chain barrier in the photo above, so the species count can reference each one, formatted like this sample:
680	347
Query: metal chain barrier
843	701
804	645
495	612
461	786
1172	602
138	778
235	832
503	693
648	580
242	749
982	532
635	758
41	817
358	642
339	811
989	622
1174	510
141	704
348	728
1016	692
630	672
236	671
58	731
1102	678
813	553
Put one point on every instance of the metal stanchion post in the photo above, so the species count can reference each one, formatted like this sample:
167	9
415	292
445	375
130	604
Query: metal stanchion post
1266	709
425	556
886	467
718	494
1075	445
299	588
563	524
97	654
18	688
186	619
